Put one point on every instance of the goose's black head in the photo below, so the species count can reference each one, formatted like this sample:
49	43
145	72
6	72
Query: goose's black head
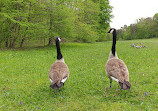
112	30
59	55
57	39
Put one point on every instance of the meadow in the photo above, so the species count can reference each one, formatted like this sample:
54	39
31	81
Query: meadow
24	82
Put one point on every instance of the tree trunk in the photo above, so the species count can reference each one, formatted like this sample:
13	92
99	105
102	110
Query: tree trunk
50	41
44	41
16	34
13	43
23	39
0	43
10	43
21	43
6	43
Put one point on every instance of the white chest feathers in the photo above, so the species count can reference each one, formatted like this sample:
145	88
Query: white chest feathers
63	80
114	79
51	80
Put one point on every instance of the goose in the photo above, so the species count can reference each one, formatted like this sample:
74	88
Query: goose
59	71
132	45
138	47
115	68
143	46
140	43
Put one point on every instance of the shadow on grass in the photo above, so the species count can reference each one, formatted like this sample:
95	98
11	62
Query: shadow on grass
46	92
134	97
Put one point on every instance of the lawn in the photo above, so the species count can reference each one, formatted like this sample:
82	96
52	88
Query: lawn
24	82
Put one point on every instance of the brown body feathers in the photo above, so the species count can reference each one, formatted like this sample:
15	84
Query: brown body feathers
58	72
116	68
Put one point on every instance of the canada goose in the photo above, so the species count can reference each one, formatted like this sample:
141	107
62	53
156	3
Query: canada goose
138	47
116	69
132	45
140	43
143	46
59	71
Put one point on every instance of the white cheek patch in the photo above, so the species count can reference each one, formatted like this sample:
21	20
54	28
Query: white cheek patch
115	79
112	31
50	80
63	80
59	39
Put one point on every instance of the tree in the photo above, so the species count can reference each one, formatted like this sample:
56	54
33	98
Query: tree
155	28
144	28
28	20
104	18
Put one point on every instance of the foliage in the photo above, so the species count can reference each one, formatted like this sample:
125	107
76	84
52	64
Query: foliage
144	28
23	20
25	83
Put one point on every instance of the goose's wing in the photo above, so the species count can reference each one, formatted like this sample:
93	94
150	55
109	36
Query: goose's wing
117	69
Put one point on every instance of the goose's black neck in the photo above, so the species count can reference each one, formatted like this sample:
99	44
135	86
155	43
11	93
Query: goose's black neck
59	55
113	49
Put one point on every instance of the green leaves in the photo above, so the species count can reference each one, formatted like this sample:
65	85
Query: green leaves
82	20
155	18
144	28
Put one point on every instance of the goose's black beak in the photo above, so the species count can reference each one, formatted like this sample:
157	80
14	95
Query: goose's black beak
109	31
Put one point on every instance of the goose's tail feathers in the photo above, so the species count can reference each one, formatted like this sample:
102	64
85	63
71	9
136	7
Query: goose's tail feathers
125	85
57	85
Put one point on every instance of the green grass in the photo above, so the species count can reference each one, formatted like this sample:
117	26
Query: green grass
24	83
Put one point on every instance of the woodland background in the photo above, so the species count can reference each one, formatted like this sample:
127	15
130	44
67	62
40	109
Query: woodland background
74	20
38	22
